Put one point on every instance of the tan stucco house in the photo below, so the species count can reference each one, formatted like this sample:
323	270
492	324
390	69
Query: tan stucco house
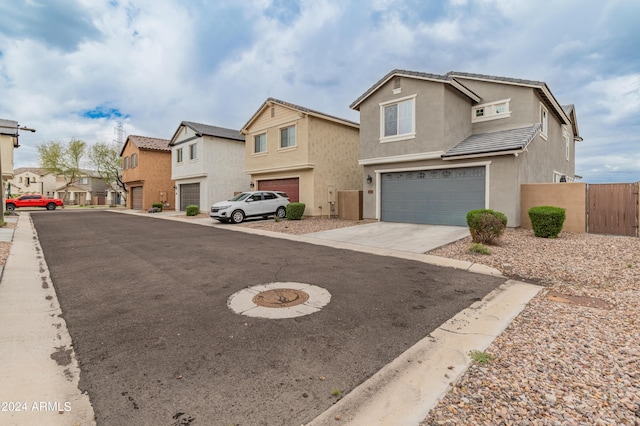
8	142
434	147
146	171
305	153
32	180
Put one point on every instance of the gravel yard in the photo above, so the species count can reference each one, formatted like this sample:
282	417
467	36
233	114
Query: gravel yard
558	363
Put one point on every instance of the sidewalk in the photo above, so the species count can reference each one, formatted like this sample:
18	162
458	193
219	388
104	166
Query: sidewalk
38	369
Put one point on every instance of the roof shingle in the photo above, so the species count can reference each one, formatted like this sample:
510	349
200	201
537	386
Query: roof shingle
495	142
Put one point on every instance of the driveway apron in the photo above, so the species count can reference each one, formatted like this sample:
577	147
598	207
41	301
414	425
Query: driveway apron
145	302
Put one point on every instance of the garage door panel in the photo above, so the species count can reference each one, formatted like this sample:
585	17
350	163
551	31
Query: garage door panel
291	186
189	195
439	197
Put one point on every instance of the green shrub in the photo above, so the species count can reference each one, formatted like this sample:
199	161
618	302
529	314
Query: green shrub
486	225
479	249
157	206
295	211
193	210
547	221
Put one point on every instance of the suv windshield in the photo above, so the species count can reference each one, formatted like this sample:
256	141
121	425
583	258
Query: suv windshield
240	196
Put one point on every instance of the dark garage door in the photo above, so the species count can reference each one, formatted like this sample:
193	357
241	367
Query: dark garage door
189	195
136	198
290	186
435	197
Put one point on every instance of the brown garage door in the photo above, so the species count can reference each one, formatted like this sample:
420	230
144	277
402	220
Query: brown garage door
189	195
290	186
136	198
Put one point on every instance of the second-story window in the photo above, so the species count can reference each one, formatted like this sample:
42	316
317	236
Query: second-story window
260	143
288	137
179	155
544	121
397	119
134	161
125	163
491	111
193	152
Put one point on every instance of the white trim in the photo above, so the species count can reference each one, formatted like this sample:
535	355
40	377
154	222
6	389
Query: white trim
544	124
433	155
487	180
490	111
403	136
567	146
514	152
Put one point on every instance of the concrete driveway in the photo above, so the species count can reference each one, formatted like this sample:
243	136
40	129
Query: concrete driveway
407	237
145	301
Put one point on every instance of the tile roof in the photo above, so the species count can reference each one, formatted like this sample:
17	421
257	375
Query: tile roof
496	142
208	130
266	103
145	142
35	170
453	74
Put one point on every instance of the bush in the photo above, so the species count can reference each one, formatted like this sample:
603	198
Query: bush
479	249
193	210
486	225
547	221
295	211
157	206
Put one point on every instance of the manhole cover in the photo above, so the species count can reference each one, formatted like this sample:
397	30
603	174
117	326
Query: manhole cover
590	302
280	298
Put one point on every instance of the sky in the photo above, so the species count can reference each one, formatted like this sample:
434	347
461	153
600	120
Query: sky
76	68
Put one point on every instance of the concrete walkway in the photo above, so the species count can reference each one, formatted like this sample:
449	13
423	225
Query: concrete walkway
38	369
39	372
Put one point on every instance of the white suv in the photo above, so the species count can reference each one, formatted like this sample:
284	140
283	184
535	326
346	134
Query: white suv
251	204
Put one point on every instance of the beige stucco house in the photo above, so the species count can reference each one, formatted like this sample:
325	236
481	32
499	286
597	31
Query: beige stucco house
305	153
434	147
8	142
146	172
32	180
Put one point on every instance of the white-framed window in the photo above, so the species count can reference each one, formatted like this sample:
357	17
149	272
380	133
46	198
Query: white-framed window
84	180
491	111
193	151
260	143
544	121
179	155
125	163
398	119
288	137
134	161
567	144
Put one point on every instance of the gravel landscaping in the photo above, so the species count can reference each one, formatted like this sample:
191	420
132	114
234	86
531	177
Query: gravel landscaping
572	357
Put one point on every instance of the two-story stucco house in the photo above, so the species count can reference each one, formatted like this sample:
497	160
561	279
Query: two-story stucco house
207	164
8	142
434	147
146	172
305	153
32	180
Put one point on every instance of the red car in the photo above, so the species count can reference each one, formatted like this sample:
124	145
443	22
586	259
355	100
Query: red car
33	200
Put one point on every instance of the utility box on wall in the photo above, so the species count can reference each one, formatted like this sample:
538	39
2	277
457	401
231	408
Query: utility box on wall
350	205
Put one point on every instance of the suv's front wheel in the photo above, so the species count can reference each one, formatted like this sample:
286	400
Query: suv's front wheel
237	216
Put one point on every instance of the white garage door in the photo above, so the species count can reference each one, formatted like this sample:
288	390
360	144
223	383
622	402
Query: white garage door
435	197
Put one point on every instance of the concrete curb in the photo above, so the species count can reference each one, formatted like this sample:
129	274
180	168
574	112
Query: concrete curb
403	392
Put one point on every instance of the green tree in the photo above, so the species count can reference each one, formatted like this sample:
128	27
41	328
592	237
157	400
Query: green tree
106	162
63	160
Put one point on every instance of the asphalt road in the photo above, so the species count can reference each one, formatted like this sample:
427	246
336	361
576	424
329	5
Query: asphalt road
145	301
